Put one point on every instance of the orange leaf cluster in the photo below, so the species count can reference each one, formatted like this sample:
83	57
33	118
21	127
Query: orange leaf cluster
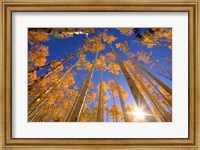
108	38
155	113
58	65
158	37
105	98
110	57
122	46
82	58
115	112
101	63
37	37
167	95
37	56
114	68
87	65
126	31
129	66
130	109
94	45
144	57
32	76
91	97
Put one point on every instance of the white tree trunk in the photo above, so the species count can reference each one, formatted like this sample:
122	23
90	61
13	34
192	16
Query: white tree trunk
150	74
134	90
121	100
47	91
99	112
165	115
76	113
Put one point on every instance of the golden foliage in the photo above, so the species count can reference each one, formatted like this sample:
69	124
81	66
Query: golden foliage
82	58
104	86
129	66
87	65
37	55
110	57
101	63
130	109
32	76
156	96
58	65
108	38
165	103
37	37
105	98
126	31
115	112
94	45
91	97
122	46
83	63
167	95
114	68
113	87
111	84
144	57
88	43
68	81
156	114
158	36
124	93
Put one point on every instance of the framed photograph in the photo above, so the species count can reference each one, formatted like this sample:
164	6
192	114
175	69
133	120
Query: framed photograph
107	75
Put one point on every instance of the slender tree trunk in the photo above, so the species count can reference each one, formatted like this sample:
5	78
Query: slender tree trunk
165	76
107	115
47	91
58	113
60	109
93	115
102	112
40	106
155	103
40	67
42	103
161	67
89	114
136	41
166	100
121	100
32	116
76	99
150	74
49	113
82	110
50	63
31	85
79	105
134	90
99	112
114	105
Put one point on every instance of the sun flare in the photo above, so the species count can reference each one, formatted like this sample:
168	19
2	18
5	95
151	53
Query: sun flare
139	114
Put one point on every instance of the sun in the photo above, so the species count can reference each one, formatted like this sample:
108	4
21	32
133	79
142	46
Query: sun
139	114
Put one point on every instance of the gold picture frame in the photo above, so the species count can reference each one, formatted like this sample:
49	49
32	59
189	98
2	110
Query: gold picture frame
9	6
